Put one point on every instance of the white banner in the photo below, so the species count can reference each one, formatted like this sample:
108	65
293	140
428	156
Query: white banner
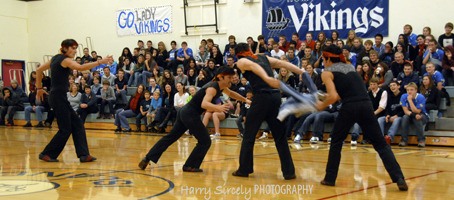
144	21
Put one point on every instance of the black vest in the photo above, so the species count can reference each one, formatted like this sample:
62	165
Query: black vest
376	100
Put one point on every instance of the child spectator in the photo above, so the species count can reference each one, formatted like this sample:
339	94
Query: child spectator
88	104
145	105
107	98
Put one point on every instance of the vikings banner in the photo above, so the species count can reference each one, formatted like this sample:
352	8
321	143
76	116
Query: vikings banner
366	17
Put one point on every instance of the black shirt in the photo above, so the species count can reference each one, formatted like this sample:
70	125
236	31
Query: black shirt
196	101
255	81
60	74
121	83
349	84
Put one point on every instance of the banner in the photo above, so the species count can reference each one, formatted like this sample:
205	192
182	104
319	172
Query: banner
366	17
144	21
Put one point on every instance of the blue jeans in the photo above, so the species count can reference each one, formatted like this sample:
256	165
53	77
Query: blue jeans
394	126
121	118
39	113
418	126
145	75
122	96
355	132
318	120
134	79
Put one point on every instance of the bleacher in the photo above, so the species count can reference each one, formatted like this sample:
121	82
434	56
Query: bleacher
440	129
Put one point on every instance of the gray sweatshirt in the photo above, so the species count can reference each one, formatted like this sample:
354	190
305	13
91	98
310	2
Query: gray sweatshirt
74	100
108	95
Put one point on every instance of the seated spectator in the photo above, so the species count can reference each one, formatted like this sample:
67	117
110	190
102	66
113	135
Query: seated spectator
182	57
398	65
181	77
82	84
315	78
108	76
317	120
132	109
74	96
393	112
87	76
37	107
167	110
11	104
88	104
96	88
277	52
448	65
210	71
121	86
32	82
157	76
168	78
388	54
202	79
350	57
180	98
383	74
437	77
156	103
434	55
192	77
430	92
127	67
216	56
447	38
413	105
217	117
202	56
145	105
107	98
153	86
147	72
407	76
137	71
18	91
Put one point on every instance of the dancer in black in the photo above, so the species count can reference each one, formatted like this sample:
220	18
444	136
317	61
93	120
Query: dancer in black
188	117
68	121
342	81
258	70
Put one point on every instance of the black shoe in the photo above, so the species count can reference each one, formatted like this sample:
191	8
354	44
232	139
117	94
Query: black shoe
290	177
239	174
99	116
87	159
47	158
28	124
144	163
364	142
47	124
191	169
39	125
327	183
402	184
161	130
118	130
127	131
138	130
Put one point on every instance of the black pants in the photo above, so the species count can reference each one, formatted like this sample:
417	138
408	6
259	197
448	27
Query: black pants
265	107
186	119
68	122
83	112
363	114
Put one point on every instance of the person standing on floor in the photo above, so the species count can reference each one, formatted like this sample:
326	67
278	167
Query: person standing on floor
188	117
342	82
67	119
258	70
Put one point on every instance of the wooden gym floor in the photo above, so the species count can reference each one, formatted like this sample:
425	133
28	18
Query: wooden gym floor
115	175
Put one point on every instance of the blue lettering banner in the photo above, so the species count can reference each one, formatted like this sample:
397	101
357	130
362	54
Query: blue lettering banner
143	21
366	17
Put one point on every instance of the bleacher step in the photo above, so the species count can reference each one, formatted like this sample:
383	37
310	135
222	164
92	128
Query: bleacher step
446	124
